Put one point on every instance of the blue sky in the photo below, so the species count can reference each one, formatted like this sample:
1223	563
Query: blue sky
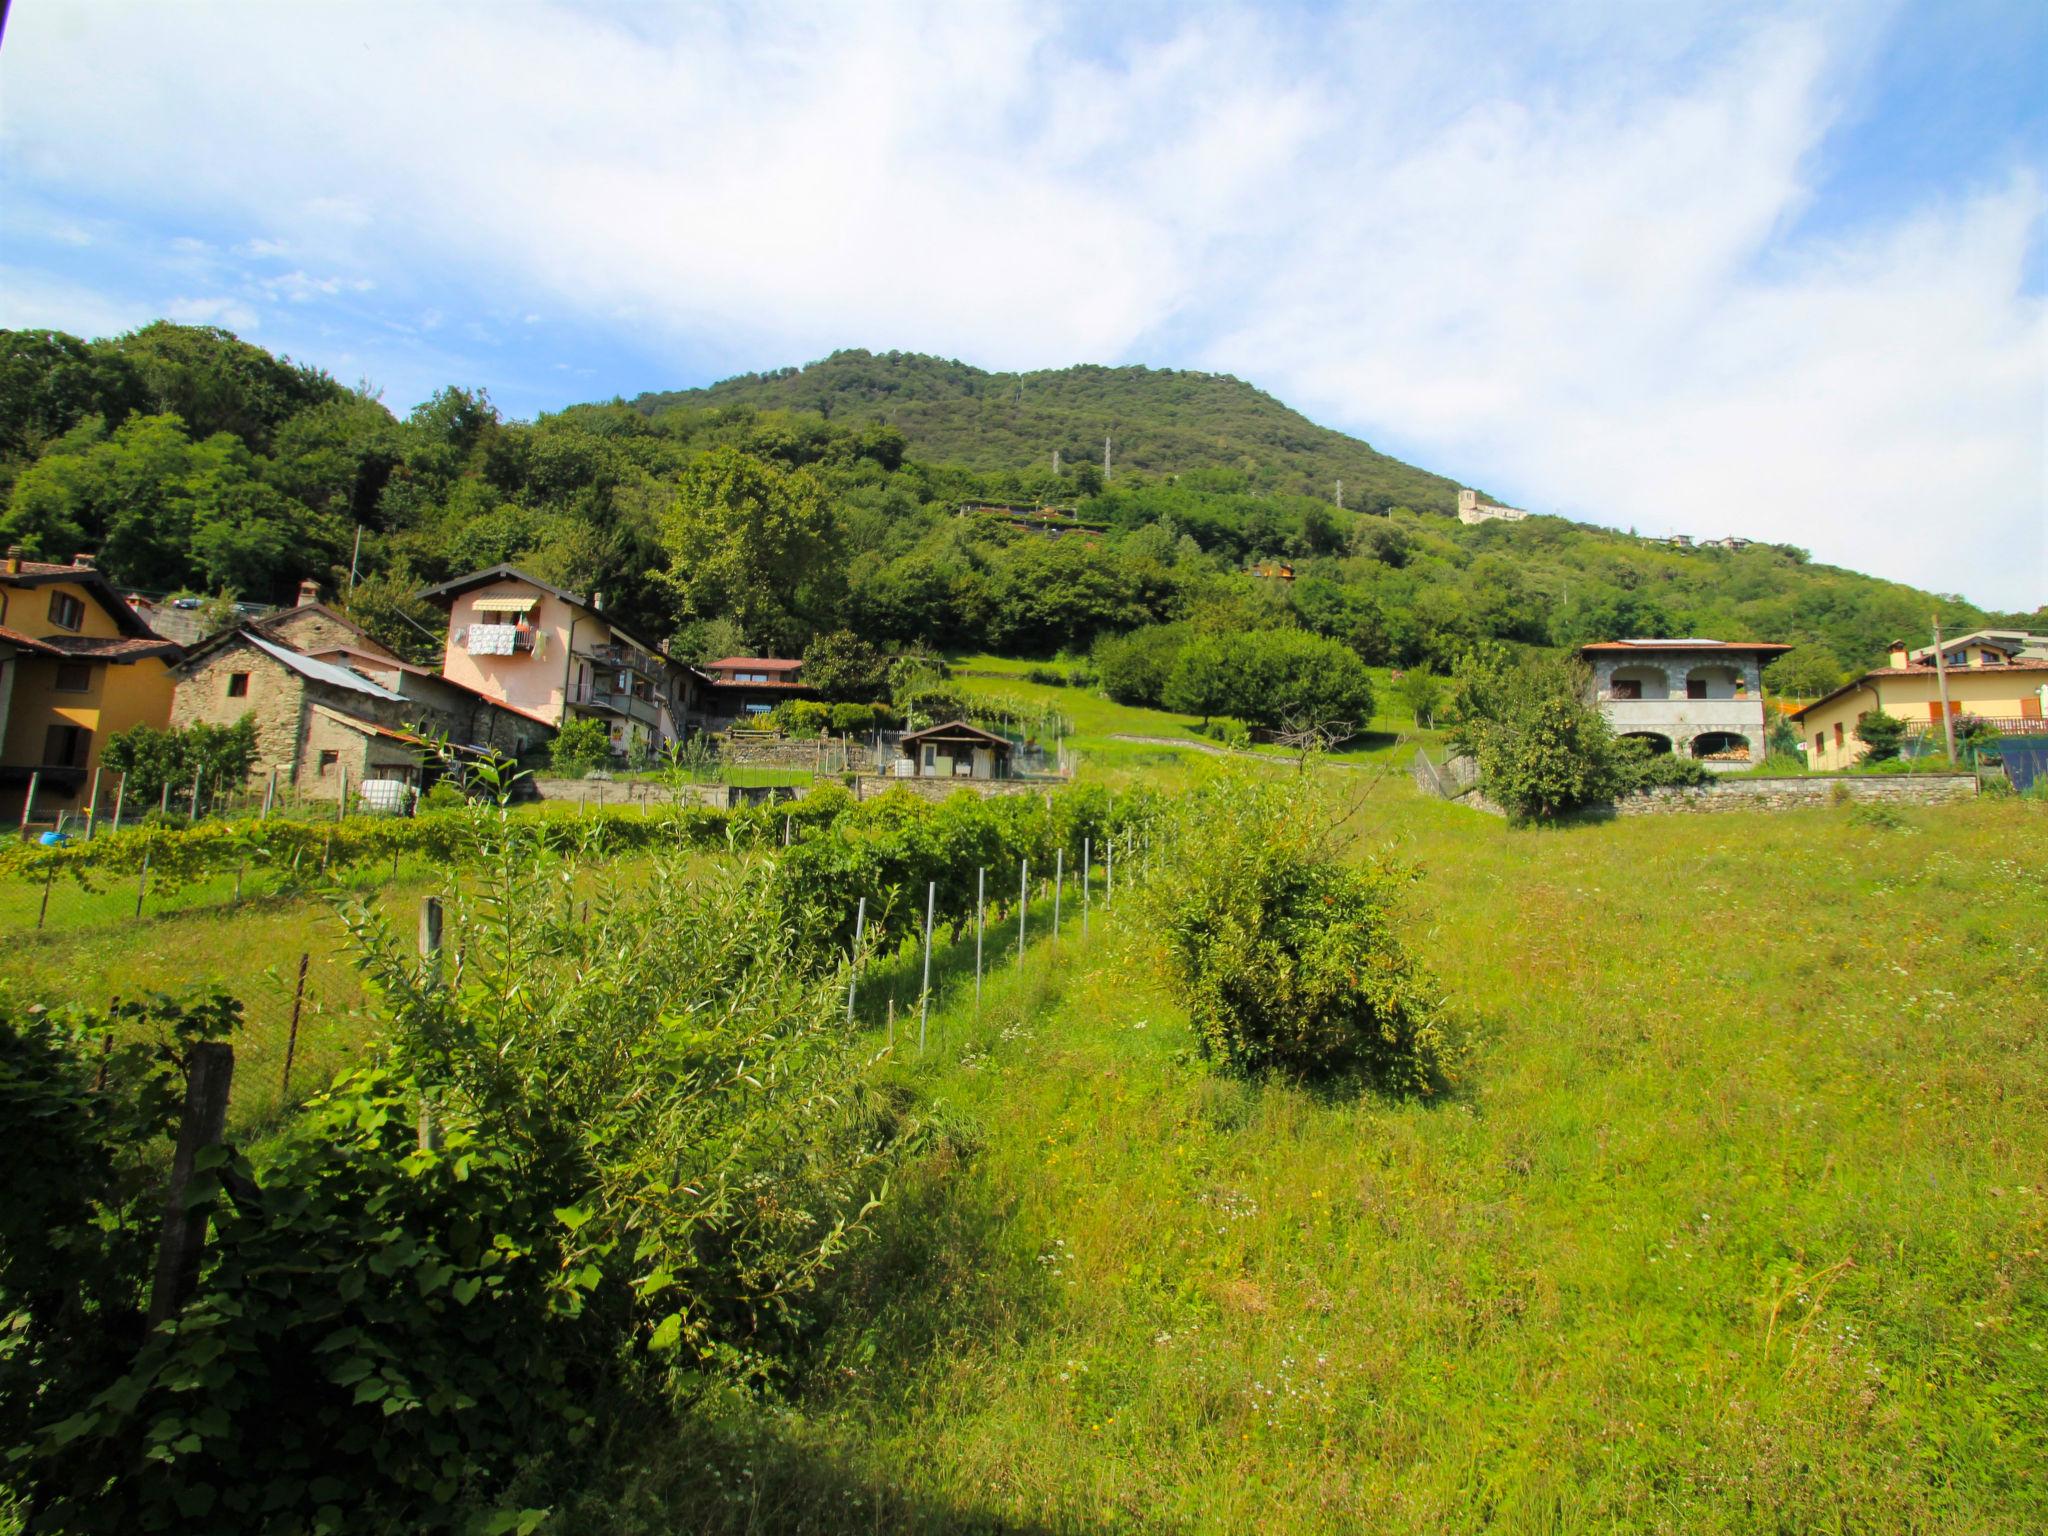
1775	270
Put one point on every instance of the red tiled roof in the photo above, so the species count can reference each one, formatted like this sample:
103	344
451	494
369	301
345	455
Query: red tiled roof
1927	672
26	642
1685	645
128	648
756	663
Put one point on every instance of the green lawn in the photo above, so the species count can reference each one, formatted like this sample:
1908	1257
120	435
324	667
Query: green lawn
1737	1224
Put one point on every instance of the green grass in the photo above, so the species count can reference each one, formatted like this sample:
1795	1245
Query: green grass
1098	721
1737	1224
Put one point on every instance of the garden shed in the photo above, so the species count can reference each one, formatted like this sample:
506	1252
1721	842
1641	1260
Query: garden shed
956	750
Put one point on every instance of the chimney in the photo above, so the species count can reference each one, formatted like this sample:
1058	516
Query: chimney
82	561
309	592
14	559
1899	657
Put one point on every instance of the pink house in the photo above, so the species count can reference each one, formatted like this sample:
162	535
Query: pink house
554	655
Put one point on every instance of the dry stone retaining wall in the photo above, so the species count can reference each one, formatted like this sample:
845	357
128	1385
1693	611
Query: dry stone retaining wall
1798	794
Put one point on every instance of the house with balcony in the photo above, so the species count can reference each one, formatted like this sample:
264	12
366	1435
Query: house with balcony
735	689
1702	699
77	665
1997	676
557	656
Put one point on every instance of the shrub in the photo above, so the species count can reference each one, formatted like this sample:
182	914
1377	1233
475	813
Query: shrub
1285	956
152	758
802	717
579	746
444	796
1234	734
853	719
1881	734
1637	767
1422	694
1542	749
1134	667
1050	677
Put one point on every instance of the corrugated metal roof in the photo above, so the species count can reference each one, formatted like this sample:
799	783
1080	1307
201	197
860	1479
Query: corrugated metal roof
321	671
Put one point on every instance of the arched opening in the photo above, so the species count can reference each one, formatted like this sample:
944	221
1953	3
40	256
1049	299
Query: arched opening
1639	682
1720	747
1716	680
1656	745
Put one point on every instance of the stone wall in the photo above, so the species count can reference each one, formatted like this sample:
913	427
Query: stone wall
1793	794
790	753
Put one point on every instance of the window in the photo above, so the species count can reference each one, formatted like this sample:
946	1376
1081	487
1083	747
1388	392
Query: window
1838	734
329	760
238	685
66	611
1820	742
1695	687
66	746
1626	688
73	677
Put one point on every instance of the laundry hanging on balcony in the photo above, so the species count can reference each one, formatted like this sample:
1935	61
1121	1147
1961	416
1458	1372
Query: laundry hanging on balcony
493	639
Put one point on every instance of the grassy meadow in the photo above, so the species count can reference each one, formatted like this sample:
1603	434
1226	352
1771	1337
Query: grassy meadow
1736	1223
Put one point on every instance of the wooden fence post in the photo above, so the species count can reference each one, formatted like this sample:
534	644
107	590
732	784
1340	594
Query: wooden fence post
48	880
924	996
209	1072
141	885
1023	903
1059	878
92	806
860	923
28	806
291	1039
197	774
269	793
120	795
430	934
1087	853
980	898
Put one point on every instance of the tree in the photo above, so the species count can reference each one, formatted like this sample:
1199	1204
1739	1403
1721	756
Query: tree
1422	694
1203	679
845	668
1133	668
1881	735
579	746
1542	748
1810	671
745	540
149	758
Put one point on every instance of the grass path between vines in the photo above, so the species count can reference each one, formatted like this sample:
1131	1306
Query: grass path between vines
1738	1222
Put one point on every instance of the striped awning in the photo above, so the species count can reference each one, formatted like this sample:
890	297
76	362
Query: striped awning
503	604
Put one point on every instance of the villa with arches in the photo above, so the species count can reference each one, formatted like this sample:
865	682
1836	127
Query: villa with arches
1702	699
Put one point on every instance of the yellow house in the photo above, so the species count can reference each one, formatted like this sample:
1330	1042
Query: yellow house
1989	681
76	666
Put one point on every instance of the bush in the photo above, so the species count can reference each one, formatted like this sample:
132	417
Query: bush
853	719
1881	735
1542	749
444	796
1285	956
1133	668
1234	734
1269	678
579	746
1049	677
1637	767
802	717
151	759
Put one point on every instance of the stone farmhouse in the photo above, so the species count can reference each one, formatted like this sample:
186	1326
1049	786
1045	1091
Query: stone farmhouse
1701	698
333	706
1473	511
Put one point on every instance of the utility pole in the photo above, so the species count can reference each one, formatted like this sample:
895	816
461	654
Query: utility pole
1340	493
1055	463
1105	461
355	555
1948	723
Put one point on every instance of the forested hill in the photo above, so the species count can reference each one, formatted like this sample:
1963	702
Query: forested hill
1160	420
744	518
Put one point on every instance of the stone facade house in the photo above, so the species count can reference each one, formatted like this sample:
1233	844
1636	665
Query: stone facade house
1701	698
333	706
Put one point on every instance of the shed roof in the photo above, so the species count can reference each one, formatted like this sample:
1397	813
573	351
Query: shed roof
958	730
321	671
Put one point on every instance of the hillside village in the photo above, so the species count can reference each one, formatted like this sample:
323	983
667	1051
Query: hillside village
993	998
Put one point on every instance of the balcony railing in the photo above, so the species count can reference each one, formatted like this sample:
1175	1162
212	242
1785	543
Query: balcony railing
2002	725
616	701
617	657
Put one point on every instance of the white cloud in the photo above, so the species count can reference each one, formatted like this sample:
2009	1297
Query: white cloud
32	300
216	309
1544	250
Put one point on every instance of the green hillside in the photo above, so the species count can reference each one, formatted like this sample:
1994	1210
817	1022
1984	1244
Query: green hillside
762	512
1161	421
